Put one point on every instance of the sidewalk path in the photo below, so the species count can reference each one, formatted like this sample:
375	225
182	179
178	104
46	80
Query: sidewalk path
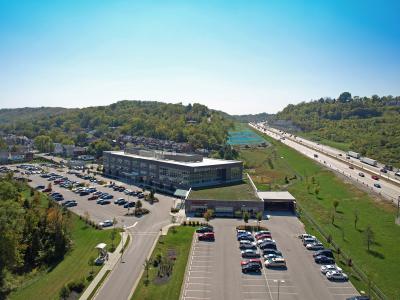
109	265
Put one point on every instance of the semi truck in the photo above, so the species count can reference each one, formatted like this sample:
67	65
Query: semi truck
369	161
354	154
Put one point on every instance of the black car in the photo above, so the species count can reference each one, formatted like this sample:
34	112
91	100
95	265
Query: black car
245	237
104	202
84	193
129	204
324	252
251	267
267	245
204	229
247	246
358	298
40	187
272	251
322	259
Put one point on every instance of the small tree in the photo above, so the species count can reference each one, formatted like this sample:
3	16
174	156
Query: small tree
259	217
369	236
64	292
245	217
146	268
113	234
316	190
139	204
333	215
49	186
91	264
208	215
335	205
86	217
356	218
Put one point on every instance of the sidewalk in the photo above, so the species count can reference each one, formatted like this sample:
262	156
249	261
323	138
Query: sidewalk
109	265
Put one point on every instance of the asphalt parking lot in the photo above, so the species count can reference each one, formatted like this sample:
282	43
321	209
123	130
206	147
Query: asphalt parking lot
97	212
214	271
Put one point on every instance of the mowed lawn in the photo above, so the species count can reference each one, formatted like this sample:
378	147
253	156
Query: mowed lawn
242	191
383	261
178	243
46	285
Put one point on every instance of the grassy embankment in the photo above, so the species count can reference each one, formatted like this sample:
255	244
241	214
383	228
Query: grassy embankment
47	284
179	244
316	189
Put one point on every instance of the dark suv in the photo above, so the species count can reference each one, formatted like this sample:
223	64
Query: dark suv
251	267
324	252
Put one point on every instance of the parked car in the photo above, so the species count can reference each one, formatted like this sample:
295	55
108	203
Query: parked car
361	174
270	256
93	197
204	229
383	170
119	200
375	177
248	253
207	236
336	276
306	235
309	240
48	190
267	245
129	204
70	203
358	298
351	167
263	236
106	223
322	259
272	251
84	193
277	262
251	267
325	252
247	246
327	268
40	187
245	237
377	185
104	202
251	260
315	246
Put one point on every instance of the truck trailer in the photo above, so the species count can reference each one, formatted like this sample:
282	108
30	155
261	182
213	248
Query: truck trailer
369	161
354	154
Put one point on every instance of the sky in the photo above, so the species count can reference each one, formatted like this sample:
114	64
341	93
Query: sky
237	56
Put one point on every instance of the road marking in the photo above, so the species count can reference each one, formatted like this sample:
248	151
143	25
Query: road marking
269	289
198	277
198	283
195	291
199	298
339	287
132	226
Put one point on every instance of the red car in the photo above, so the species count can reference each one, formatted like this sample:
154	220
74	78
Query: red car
376	177
251	260
94	197
263	236
47	190
207	236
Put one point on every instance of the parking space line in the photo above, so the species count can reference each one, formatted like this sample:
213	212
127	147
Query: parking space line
205	291
284	293
198	277
266	279
196	298
198	283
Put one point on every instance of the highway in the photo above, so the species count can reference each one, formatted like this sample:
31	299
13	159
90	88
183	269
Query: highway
329	157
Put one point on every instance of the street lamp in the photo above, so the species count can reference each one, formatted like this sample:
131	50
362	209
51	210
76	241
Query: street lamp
279	282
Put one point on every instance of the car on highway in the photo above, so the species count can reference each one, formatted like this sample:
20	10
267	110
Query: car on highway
336	276
315	246
206	236
277	262
248	253
361	174
106	223
322	259
251	268
204	229
375	177
377	185
327	268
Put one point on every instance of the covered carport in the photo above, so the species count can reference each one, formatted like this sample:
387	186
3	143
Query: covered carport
283	201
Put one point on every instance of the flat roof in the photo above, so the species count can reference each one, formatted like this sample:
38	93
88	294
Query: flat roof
235	192
181	193
206	161
280	196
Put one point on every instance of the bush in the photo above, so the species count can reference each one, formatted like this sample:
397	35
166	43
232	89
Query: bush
184	223
64	292
77	286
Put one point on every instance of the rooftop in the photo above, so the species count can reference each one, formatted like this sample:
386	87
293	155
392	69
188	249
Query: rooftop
167	158
241	192
280	196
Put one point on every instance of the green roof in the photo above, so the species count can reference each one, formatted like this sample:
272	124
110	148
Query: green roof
181	193
241	191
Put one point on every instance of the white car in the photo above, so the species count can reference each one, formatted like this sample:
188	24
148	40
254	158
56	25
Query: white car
106	223
306	235
276	262
246	242
336	275
259	242
329	268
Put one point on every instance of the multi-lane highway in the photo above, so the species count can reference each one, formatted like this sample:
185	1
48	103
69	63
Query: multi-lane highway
351	168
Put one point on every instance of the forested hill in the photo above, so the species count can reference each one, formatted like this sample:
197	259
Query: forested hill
11	115
261	117
369	125
196	124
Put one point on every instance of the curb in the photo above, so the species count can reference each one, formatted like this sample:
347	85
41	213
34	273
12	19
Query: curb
181	296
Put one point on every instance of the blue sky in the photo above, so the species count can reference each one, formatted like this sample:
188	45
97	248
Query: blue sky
236	56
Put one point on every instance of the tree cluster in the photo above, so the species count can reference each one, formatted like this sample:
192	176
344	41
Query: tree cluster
31	236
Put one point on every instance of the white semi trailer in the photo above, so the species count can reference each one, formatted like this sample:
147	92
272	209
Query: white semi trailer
369	161
354	154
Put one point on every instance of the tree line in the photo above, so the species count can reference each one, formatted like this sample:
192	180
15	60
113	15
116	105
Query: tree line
33	235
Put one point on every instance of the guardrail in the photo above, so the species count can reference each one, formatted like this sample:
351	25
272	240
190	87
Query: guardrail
374	291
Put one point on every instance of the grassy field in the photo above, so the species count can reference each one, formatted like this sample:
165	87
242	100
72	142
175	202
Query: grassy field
338	145
316	189
242	191
178	243
47	284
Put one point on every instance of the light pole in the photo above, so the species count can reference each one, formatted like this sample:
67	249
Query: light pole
279	282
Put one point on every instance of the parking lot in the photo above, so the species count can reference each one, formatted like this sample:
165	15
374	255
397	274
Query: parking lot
214	270
99	213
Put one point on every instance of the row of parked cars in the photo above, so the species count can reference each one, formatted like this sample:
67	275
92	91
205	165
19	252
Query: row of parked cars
205	233
325	257
126	191
257	245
